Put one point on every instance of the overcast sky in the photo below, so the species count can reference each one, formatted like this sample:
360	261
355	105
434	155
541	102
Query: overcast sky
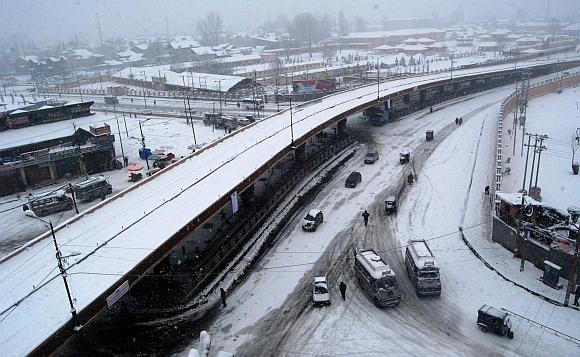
52	21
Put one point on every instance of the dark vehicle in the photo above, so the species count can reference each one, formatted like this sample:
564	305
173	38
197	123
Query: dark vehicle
404	157
490	319
92	188
353	179
49	203
390	204
371	157
429	135
111	100
312	220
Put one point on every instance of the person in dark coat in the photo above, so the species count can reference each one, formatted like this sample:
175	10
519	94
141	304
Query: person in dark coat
366	216
223	296
577	295
487	190
456	121
342	288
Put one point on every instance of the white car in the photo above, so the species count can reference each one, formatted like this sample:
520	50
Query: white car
320	293
312	220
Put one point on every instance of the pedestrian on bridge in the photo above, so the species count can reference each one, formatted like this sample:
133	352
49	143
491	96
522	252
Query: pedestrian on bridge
223	296
366	216
342	288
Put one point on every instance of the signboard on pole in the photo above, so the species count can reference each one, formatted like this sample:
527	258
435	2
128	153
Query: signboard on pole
235	205
117	294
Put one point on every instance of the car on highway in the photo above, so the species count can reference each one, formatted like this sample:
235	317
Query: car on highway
371	157
353	179
312	220
320	292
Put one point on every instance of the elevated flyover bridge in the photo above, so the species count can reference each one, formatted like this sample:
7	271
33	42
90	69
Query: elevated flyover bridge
121	238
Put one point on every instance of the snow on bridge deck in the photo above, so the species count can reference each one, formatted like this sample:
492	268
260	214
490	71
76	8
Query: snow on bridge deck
117	234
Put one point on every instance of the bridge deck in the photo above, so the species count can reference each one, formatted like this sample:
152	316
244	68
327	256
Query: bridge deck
117	234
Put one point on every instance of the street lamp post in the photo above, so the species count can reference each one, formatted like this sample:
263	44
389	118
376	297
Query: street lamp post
291	127
60	257
144	86
451	65
143	141
219	82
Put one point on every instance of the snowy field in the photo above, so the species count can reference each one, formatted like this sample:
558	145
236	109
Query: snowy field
271	311
558	117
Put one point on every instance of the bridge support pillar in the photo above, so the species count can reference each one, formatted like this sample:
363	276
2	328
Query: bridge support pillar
23	177
248	196
299	153
341	128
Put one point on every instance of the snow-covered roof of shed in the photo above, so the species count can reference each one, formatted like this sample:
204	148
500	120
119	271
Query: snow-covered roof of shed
425	40
515	199
183	42
403	32
173	78
203	51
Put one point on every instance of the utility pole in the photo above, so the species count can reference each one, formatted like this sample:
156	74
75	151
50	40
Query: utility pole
291	128
540	149
120	139
378	82
574	270
191	121
521	238
143	142
144	86
451	65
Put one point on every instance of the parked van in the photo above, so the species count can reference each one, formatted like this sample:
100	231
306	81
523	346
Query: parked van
49	203
92	188
376	279
422	268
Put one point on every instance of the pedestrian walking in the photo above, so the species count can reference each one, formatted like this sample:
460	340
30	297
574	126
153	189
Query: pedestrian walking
342	288
460	120
366	216
576	295
487	190
223	296
456	121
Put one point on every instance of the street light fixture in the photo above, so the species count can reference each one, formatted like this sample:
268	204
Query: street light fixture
60	257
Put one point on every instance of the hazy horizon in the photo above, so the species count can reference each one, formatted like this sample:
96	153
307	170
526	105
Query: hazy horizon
58	21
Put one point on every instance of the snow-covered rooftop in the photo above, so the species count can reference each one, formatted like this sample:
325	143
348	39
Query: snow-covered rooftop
200	80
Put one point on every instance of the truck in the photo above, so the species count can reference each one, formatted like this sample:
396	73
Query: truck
422	268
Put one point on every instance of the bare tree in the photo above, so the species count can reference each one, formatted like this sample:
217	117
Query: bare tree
210	29
307	29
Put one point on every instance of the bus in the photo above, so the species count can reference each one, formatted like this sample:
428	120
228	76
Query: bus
93	188
422	268
49	203
377	279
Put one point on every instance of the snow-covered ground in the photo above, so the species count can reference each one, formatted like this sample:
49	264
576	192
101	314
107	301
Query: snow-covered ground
168	201
271	310
558	117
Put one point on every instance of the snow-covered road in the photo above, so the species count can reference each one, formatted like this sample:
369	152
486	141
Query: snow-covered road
271	313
